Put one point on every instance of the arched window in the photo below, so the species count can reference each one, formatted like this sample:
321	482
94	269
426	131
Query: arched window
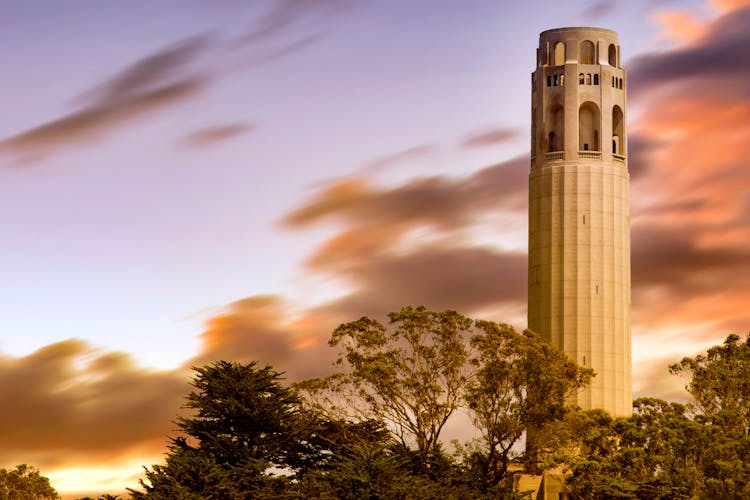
612	55
613	81
580	78
596	79
556	80
555	128
562	80
588	127
588	78
617	131
549	80
588	53
559	54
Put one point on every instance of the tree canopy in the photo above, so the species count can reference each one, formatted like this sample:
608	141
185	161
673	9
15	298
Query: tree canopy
25	483
373	428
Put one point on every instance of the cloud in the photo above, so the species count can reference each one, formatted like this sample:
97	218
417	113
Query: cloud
161	80
721	54
598	10
668	257
400	156
285	13
436	201
652	379
69	403
680	26
261	328
490	137
466	279
640	154
209	136
690	215
156	82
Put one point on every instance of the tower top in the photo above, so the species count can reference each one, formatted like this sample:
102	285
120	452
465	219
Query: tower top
582	45
587	29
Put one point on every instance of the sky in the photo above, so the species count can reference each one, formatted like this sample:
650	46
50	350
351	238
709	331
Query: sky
182	182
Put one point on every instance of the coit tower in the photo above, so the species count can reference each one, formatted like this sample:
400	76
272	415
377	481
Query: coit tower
579	222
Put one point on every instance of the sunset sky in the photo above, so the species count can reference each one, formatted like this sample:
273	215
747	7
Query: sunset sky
188	181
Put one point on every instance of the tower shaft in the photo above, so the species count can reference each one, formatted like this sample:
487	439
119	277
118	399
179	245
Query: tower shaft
579	222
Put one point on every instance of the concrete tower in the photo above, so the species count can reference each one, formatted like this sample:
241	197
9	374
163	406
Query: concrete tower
579	210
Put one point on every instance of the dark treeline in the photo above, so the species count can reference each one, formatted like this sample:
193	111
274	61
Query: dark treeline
372	429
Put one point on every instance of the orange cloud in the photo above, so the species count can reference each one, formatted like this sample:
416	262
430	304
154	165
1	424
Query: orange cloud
70	404
679	26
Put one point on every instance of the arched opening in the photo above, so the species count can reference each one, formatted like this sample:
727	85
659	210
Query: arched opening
562	80
617	131
580	78
588	53
556	129
612	55
588	127
559	54
556	80
588	78
596	79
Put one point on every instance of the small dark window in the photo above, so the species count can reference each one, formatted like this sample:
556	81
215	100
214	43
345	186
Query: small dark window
614	147
588	78
555	82
613	81
549	81
580	78
596	79
585	147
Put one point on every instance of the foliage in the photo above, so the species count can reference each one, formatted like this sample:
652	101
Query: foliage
25	483
244	423
372	430
520	382
671	450
409	376
720	384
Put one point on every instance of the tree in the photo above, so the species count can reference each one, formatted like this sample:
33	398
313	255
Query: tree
520	382
671	450
410	375
720	384
244	422
652	455
25	483
720	387
244	425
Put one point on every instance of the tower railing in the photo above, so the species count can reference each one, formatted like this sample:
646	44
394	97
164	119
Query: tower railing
553	156
620	158
590	155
